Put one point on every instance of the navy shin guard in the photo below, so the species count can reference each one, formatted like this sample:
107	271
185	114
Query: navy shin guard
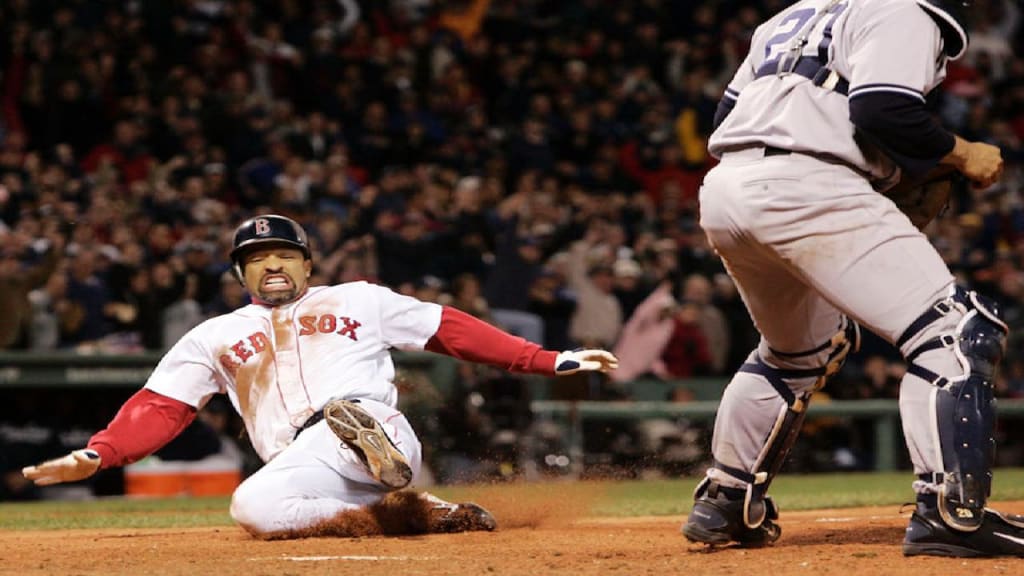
965	408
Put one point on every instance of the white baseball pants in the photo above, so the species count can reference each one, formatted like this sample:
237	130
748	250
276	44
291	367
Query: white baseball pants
317	477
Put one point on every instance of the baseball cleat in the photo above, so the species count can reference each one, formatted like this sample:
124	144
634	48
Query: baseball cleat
446	517
364	435
717	520
999	535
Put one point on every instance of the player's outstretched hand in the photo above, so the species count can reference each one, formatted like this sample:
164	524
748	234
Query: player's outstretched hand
77	465
573	361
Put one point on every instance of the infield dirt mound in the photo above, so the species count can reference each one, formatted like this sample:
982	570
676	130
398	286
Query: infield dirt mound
534	539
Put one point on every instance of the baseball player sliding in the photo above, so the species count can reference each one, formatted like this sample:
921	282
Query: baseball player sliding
827	111
307	366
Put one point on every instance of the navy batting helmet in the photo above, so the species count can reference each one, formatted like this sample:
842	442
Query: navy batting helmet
261	231
951	16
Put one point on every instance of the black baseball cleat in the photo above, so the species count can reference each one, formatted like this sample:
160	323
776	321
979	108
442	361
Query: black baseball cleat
717	519
464	517
363	434
999	535
447	517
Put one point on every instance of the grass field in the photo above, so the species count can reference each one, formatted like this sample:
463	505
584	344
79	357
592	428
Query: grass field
621	499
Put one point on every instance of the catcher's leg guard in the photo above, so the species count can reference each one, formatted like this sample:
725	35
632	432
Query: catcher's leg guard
964	406
754	507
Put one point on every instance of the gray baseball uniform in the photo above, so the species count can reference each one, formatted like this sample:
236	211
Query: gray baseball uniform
794	212
787	111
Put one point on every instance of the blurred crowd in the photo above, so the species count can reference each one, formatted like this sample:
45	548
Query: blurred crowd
533	162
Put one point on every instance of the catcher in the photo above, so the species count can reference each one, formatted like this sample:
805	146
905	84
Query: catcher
829	102
308	369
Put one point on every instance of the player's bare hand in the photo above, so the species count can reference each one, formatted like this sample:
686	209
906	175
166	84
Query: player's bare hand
77	465
979	162
573	361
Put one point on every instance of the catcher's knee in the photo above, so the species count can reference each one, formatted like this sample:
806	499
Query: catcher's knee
966	331
797	375
960	338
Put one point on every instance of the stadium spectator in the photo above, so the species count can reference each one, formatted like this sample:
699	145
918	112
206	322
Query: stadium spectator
24	267
500	131
697	290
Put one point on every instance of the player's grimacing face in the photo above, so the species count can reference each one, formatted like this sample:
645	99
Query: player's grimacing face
276	275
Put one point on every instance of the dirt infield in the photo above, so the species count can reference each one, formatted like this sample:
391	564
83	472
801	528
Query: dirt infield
863	541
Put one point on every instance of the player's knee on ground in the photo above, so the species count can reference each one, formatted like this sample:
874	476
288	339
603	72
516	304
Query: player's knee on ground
255	509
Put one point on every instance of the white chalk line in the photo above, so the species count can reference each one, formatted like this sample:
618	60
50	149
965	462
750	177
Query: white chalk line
853	519
345	557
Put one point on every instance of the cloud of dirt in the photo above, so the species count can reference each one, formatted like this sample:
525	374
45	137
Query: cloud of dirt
524	505
514	505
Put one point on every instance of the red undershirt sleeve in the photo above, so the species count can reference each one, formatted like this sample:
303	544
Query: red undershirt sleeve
467	338
143	425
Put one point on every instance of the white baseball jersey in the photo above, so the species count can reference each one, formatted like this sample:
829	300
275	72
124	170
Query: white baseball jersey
280	364
788	111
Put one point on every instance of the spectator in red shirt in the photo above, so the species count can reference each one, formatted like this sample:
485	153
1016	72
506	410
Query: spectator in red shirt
686	354
124	153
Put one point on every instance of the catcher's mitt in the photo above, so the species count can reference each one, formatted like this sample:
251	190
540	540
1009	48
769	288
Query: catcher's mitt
925	198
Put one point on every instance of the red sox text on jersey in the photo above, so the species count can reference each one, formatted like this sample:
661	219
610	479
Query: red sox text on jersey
258	341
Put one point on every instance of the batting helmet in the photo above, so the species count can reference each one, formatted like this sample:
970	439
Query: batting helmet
261	231
951	17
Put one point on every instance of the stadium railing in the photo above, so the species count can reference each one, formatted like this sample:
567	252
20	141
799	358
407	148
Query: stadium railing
649	397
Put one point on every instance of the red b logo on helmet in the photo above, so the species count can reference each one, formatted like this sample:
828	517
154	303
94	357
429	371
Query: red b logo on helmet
262	226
